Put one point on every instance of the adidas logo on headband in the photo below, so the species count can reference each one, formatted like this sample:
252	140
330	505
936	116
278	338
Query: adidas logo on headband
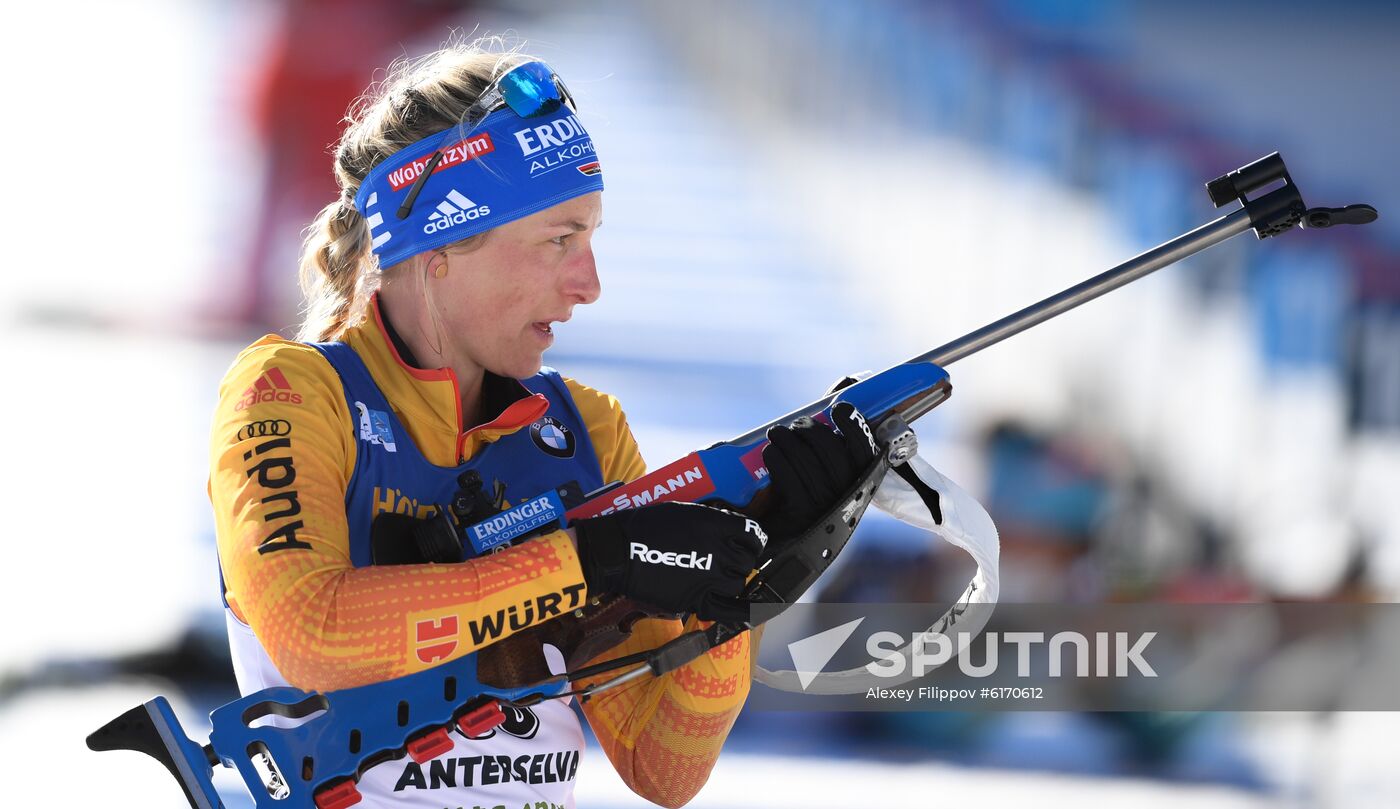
454	210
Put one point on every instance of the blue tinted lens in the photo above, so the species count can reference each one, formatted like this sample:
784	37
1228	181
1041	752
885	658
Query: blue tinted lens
530	90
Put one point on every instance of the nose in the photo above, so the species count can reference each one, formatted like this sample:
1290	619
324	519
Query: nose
581	284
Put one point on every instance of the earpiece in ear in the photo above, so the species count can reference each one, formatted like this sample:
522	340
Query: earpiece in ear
441	270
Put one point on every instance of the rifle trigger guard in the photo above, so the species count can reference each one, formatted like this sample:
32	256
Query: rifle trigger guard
898	438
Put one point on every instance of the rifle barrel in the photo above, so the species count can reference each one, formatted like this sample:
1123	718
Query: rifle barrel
1131	270
1162	255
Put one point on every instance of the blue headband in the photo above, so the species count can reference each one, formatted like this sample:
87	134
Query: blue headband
506	168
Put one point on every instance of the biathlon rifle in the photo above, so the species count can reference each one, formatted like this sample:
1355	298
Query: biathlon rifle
339	734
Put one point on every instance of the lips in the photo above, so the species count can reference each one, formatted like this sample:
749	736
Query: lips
547	326
544	329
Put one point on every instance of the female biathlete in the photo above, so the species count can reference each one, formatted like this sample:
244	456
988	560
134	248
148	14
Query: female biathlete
470	197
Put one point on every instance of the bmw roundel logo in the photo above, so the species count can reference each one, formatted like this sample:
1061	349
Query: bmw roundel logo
550	435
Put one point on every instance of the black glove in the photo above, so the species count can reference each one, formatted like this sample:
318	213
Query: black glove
681	557
810	466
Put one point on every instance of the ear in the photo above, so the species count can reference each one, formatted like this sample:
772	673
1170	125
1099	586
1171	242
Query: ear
436	265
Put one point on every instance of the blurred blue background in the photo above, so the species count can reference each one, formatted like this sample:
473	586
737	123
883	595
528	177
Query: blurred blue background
796	191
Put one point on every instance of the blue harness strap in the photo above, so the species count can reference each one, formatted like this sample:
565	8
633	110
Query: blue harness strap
391	474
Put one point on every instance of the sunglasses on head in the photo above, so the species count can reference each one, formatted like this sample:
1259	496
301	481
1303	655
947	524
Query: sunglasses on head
530	90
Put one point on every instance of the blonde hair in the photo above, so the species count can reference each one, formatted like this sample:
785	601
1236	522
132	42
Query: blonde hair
417	98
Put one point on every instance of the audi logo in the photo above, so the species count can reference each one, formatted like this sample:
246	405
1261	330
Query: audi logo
264	428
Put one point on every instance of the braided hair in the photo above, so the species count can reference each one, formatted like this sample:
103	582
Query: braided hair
417	98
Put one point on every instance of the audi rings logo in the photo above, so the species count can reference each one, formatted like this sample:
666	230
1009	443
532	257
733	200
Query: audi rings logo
264	429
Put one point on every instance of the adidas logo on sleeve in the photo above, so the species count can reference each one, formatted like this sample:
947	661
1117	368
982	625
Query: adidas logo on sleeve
455	210
272	386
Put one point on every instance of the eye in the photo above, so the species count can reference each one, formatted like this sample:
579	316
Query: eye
559	240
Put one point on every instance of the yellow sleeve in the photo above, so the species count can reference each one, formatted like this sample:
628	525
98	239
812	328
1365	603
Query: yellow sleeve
281	456
663	735
612	439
